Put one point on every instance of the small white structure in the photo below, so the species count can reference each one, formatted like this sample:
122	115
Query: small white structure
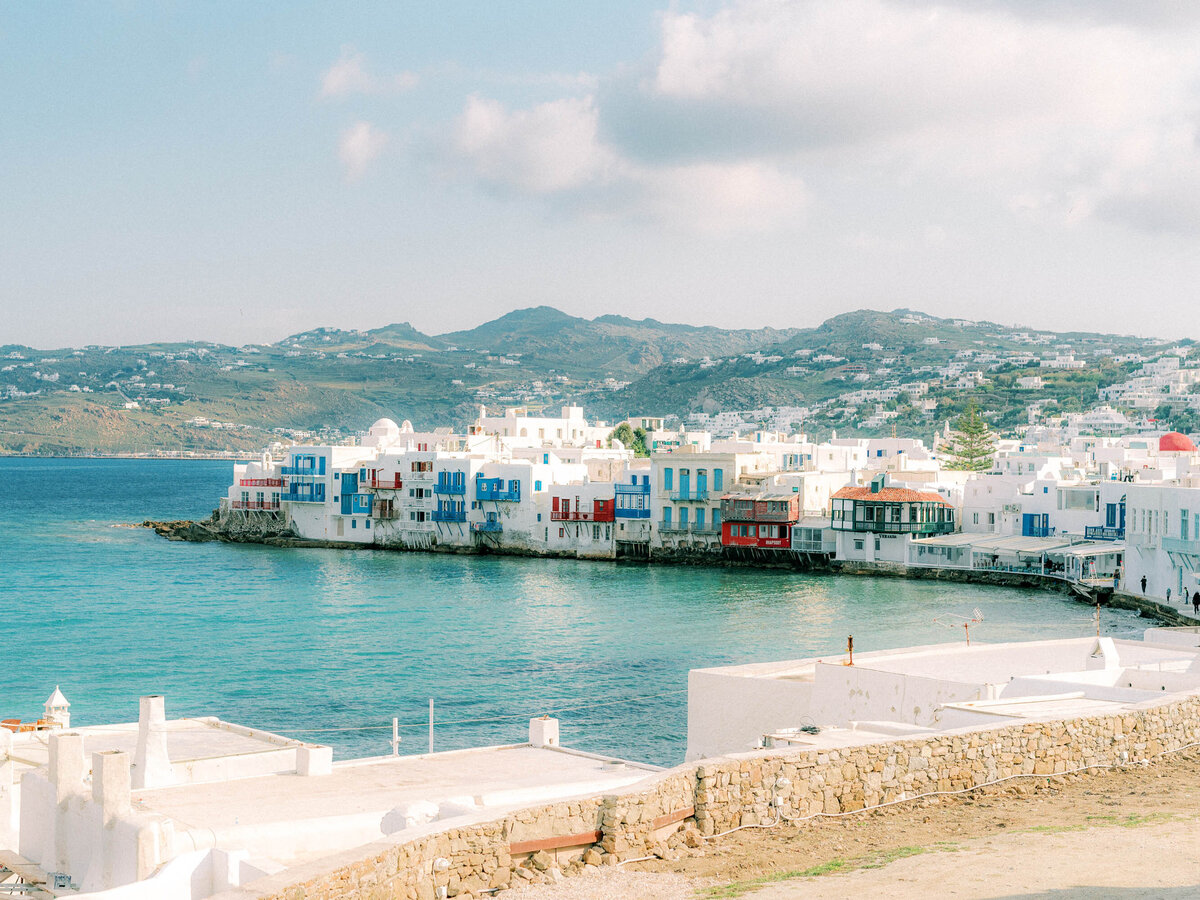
918	690
58	710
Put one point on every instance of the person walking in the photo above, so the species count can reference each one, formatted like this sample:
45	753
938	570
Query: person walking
1168	595
1196	603
1143	584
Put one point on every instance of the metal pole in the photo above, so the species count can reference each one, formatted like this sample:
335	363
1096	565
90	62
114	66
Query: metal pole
395	737
430	724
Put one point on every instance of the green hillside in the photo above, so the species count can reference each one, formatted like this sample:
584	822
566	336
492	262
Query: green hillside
328	384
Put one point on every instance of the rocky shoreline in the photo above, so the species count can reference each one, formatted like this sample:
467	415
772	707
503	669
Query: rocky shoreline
269	528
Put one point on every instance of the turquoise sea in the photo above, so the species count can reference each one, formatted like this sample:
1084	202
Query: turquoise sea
330	645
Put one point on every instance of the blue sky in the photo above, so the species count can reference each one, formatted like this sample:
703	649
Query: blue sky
238	172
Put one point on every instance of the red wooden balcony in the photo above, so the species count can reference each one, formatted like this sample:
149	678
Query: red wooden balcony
384	484
260	482
601	511
255	504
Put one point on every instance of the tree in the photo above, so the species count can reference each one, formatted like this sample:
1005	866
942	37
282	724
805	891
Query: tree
972	443
633	439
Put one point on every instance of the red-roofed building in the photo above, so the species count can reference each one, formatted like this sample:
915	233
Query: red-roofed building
876	523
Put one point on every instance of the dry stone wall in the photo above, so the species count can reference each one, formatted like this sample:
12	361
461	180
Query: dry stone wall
684	804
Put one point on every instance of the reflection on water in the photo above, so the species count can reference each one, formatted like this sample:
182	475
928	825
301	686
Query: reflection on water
301	639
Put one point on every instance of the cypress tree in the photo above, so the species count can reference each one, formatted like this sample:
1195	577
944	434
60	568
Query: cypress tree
972	443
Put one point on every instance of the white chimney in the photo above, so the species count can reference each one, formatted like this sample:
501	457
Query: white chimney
543	732
151	761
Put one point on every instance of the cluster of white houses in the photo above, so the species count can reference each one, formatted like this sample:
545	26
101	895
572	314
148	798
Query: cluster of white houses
1098	511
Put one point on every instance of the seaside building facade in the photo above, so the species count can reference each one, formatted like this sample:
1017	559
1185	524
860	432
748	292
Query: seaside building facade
1098	511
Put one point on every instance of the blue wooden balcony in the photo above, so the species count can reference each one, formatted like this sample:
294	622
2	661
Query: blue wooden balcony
494	489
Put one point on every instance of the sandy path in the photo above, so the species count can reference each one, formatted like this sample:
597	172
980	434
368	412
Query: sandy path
1147	861
1133	833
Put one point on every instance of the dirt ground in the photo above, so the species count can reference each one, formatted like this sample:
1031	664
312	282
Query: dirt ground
1129	833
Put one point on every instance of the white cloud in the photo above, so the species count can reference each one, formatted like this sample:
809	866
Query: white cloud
349	75
547	148
976	95
359	146
554	150
749	114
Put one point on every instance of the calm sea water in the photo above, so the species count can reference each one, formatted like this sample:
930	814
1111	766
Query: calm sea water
306	640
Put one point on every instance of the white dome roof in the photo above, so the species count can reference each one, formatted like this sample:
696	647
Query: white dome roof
385	428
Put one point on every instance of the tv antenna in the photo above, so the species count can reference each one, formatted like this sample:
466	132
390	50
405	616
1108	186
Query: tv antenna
953	620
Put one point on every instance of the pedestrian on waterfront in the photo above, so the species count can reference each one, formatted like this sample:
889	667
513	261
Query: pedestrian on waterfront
1143	584
1169	595
1196	603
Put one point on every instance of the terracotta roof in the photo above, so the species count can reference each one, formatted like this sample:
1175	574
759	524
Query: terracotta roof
889	495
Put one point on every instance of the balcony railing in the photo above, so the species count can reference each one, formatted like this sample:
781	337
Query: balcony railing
450	488
894	527
1103	533
303	497
487	527
385	513
487	491
632	513
632	488
787	517
1181	545
690	527
298	470
254	504
449	515
690	495
260	482
384	484
814	546
576	515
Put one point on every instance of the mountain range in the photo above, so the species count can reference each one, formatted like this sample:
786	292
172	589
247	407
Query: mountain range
327	383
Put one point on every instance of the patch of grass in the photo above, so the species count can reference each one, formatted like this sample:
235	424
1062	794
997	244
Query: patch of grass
1052	829
1130	821
890	856
870	861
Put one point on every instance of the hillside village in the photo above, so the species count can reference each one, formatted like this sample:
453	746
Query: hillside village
859	374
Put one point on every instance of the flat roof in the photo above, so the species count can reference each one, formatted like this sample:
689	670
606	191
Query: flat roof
188	740
365	791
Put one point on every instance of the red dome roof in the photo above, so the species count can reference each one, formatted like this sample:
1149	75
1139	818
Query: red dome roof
1174	441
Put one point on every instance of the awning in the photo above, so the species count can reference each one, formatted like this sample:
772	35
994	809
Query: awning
958	539
1093	548
1015	543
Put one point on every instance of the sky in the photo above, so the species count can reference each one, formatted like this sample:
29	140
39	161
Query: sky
239	172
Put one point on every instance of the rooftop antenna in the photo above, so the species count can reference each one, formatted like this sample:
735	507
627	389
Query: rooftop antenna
951	620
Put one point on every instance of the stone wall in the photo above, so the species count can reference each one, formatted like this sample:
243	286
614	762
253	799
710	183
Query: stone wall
661	816
739	792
